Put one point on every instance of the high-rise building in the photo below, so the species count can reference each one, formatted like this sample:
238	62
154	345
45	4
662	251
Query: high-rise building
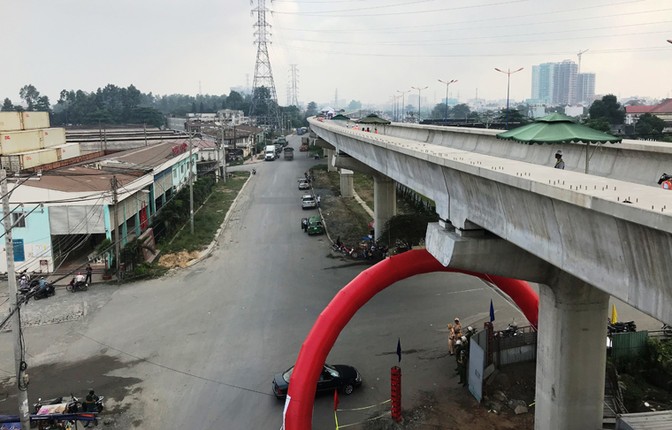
564	83
561	84
585	87
542	83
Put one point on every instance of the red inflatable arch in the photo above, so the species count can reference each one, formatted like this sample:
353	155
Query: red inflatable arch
301	396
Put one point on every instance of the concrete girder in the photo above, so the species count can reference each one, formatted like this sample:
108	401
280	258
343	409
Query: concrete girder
483	252
619	248
321	143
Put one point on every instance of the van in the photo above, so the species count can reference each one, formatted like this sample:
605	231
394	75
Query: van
269	155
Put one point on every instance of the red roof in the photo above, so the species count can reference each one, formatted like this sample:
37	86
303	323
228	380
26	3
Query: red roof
639	109
664	107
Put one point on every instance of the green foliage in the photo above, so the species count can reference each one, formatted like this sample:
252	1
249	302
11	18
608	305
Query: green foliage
408	228
460	111
649	127
600	124
7	105
609	109
104	246
311	109
440	110
34	101
175	213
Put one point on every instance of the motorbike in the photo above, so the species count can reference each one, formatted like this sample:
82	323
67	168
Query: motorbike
73	405
621	327
34	290
511	330
254	171
667	329
75	286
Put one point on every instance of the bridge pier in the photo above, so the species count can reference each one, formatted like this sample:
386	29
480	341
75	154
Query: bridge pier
571	355
347	183
571	341
384	202
331	162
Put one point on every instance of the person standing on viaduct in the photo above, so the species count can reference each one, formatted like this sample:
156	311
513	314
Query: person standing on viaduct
559	162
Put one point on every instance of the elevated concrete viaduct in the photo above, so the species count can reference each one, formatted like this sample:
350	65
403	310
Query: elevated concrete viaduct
583	237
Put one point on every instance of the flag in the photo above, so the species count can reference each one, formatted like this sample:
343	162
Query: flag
399	349
335	400
492	311
614	314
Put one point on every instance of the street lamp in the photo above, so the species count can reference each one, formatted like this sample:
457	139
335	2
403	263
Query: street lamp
508	74
403	101
452	81
419	90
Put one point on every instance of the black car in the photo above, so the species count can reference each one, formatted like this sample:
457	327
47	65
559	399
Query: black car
338	376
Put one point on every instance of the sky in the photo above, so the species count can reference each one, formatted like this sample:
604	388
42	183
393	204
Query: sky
364	50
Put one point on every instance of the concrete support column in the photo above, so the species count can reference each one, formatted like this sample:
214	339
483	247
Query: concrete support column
330	153
347	183
571	355
384	202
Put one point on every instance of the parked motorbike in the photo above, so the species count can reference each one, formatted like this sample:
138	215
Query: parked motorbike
511	330
73	405
621	327
667	329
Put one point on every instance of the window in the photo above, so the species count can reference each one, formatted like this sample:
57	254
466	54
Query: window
18	219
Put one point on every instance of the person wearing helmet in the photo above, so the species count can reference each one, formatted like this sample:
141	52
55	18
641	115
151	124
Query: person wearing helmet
461	357
458	327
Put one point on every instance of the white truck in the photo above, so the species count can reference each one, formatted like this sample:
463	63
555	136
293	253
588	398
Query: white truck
269	153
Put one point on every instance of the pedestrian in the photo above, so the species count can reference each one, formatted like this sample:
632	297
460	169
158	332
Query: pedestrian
451	339
89	274
375	130
559	162
458	328
367	130
318	200
462	365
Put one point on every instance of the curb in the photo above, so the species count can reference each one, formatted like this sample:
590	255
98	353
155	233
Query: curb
208	251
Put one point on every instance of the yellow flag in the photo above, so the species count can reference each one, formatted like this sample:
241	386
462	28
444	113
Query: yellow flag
614	314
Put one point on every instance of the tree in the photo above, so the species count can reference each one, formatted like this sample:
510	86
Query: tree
311	109
354	105
34	101
7	105
600	124
235	101
609	109
439	111
460	111
649	127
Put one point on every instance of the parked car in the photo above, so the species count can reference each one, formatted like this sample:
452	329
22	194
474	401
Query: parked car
314	225
308	201
304	185
337	377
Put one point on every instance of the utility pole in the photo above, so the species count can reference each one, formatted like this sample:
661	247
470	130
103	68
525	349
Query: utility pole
20	365
117	240
144	129
419	91
191	186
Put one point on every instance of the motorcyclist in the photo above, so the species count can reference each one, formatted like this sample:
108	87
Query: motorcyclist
665	181
42	284
254	171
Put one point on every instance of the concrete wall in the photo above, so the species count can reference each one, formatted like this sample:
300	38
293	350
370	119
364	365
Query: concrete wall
35	238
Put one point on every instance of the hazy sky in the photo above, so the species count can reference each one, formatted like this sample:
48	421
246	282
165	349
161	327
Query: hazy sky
365	49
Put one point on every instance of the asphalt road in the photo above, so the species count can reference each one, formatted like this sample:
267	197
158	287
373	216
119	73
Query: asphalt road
198	348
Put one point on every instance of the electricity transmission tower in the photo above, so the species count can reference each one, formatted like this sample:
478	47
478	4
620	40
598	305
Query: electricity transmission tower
264	98
293	97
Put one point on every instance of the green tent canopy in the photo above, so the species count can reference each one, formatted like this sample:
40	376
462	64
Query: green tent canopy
373	119
340	117
558	128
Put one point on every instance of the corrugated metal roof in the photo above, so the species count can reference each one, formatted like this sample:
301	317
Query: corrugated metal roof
79	179
659	420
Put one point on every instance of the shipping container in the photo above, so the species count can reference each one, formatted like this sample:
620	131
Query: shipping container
52	137
14	142
10	121
35	120
69	150
28	160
